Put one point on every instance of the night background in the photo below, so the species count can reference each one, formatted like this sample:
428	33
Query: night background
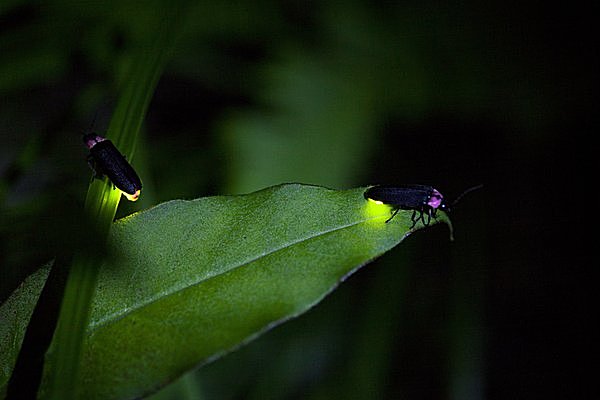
341	94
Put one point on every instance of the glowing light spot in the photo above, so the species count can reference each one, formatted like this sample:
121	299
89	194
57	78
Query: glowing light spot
376	201
132	197
376	210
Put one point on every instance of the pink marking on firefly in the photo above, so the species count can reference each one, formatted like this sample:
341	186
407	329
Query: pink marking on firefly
92	140
435	200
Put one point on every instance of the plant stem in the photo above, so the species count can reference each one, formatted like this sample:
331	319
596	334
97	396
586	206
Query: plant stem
66	352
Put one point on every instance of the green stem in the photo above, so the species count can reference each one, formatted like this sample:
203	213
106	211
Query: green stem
66	353
101	204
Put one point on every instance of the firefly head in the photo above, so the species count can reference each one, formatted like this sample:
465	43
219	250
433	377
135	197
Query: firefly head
92	139
436	200
444	206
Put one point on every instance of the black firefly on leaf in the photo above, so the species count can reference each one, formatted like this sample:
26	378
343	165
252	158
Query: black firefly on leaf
106	160
423	200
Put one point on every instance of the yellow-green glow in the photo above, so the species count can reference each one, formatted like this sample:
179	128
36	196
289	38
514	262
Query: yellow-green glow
376	201
132	197
375	209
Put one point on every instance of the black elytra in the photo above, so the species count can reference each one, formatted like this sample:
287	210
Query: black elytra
106	160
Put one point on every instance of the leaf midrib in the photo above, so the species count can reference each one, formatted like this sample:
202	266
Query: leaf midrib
94	326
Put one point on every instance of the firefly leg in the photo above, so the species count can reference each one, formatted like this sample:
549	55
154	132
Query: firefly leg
427	220
95	168
393	215
415	220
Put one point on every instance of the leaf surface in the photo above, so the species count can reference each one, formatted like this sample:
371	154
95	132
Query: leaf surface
195	279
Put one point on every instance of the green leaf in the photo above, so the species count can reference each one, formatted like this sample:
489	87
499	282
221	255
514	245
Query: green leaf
14	318
196	279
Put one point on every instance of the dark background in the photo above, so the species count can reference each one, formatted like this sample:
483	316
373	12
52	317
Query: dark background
342	94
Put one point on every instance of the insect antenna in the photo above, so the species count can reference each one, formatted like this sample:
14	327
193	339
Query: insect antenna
100	117
469	190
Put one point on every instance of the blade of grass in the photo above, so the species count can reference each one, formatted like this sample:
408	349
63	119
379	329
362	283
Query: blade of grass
64	358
